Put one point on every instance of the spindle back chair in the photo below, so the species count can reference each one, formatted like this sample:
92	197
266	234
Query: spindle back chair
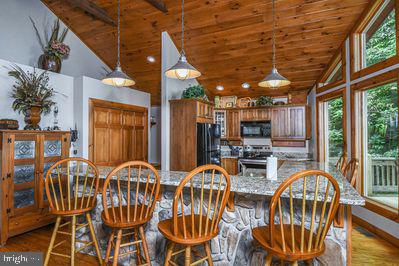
342	161
301	239
195	222
130	192
72	186
350	171
71	189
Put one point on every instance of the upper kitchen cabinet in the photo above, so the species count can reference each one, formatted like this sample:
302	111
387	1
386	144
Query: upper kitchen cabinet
290	125
255	114
203	110
233	129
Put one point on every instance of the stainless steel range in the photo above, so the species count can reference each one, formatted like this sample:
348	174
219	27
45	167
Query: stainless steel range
254	157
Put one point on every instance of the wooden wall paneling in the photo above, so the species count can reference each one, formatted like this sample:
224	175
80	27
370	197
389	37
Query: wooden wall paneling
235	42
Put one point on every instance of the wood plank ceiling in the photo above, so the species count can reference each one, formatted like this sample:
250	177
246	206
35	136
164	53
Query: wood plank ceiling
229	41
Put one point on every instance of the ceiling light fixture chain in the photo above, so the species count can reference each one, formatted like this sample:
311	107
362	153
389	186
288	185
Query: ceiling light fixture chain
118	63
182	27
274	33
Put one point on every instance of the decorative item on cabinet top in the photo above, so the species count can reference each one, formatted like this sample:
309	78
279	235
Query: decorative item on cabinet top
9	124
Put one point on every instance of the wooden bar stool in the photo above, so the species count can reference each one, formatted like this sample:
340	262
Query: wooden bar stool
128	205
292	241
71	189
342	161
350	171
199	220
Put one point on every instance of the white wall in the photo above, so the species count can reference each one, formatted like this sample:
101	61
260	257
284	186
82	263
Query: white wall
18	42
170	89
155	136
86	88
375	219
62	84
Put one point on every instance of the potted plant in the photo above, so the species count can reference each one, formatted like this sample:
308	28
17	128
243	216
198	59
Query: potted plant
194	92
32	95
53	46
264	101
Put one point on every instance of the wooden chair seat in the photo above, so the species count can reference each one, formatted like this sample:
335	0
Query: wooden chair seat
262	235
122	221
166	228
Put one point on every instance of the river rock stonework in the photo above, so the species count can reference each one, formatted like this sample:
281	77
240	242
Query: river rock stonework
234	244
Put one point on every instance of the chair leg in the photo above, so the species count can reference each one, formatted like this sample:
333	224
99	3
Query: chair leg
136	238
109	247
208	253
144	245
94	238
295	263
187	257
73	239
169	252
117	247
268	260
53	236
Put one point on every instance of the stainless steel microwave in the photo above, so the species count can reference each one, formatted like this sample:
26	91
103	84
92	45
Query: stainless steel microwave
258	129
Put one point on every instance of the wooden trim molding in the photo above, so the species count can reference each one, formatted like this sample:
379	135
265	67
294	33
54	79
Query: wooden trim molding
376	81
375	230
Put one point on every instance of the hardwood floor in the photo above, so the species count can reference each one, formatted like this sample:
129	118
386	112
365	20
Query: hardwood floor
368	249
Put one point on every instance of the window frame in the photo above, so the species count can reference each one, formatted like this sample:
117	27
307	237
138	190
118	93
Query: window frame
357	138
357	43
339	57
321	145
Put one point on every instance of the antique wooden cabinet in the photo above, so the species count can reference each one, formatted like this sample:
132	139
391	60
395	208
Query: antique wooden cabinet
25	157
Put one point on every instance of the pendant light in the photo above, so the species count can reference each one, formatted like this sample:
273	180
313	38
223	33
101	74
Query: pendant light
117	77
274	80
182	70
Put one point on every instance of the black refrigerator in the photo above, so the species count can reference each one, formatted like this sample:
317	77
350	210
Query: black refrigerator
208	144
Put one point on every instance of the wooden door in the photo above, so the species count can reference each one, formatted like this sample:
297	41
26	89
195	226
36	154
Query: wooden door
297	122
118	133
280	123
233	125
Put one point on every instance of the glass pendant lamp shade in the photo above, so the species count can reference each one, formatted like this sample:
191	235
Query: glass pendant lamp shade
274	80
182	70
118	78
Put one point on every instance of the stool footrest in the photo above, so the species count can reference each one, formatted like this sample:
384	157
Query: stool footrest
59	244
199	261
130	243
64	233
85	246
60	254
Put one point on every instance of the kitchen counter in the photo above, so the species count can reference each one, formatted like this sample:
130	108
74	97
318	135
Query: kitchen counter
234	244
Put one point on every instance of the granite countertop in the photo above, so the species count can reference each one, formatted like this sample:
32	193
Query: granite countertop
258	185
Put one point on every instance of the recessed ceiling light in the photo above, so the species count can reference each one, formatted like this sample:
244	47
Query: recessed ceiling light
246	85
150	59
219	87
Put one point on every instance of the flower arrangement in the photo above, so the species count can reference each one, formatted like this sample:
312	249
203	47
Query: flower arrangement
31	90
53	44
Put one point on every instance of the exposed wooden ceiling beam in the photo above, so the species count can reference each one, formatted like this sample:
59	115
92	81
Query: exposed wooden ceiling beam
94	10
158	4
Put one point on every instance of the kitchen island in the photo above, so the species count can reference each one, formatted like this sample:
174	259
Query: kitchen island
234	244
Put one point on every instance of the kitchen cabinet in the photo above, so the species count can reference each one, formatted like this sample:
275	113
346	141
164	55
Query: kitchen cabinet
255	114
204	112
25	158
220	119
290	124
230	164
233	126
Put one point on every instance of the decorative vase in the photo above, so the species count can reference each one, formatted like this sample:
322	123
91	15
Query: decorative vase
50	62
32	117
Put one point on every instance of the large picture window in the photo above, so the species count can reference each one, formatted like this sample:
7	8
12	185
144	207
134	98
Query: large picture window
379	141
380	36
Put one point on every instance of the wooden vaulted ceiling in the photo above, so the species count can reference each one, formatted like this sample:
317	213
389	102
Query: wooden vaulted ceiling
229	41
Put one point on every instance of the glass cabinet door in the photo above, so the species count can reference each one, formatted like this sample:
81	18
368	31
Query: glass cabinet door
24	173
